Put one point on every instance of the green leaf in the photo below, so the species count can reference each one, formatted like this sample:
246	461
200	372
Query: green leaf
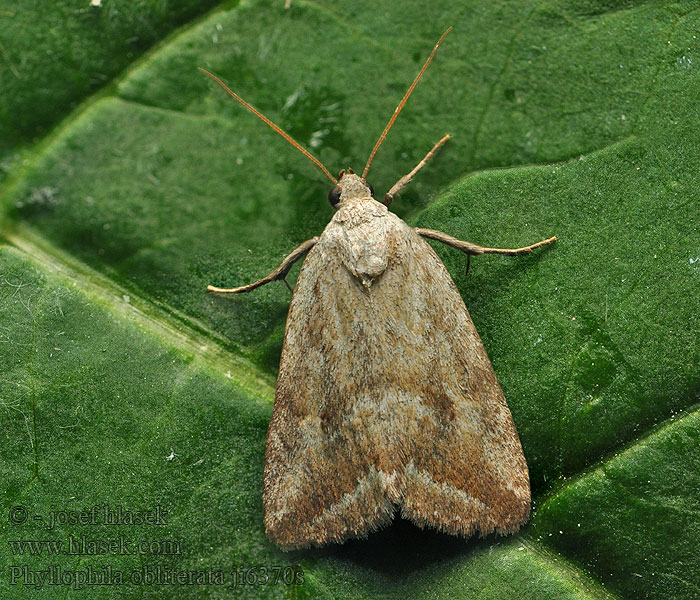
53	53
124	383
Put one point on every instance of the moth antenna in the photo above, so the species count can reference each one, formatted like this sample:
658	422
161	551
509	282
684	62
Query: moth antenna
279	130
400	106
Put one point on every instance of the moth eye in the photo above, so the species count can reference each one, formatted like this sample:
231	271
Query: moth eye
371	189
334	196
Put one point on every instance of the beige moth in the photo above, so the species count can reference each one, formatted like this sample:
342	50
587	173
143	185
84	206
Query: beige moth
386	400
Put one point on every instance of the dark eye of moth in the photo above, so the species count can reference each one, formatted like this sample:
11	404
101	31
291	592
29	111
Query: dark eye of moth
371	190
334	196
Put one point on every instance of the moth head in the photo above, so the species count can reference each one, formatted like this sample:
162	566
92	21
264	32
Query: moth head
348	187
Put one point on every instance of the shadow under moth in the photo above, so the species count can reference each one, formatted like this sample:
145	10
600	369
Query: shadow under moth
385	400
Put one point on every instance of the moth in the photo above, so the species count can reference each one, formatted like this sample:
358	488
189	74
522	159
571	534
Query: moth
386	401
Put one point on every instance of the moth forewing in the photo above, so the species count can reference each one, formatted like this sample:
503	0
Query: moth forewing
386	401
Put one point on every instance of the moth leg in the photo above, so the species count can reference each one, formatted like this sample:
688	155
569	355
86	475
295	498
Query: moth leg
406	179
279	273
472	249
